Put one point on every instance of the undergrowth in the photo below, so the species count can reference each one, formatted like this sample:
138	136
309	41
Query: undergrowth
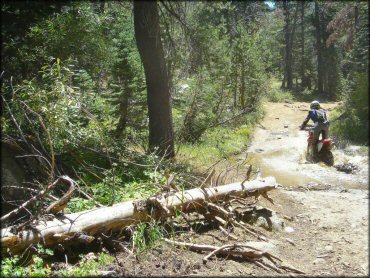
87	266
351	119
35	267
221	142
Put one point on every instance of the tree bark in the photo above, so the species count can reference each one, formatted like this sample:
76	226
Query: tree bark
123	112
303	66
286	36
290	51
95	221
148	39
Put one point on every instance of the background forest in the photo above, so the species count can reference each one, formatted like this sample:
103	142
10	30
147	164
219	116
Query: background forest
74	91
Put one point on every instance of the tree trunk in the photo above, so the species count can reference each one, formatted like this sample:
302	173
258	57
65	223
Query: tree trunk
98	220
290	51
147	34
242	85
123	112
286	36
303	66
320	81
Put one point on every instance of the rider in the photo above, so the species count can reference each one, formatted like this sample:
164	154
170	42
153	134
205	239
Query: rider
321	124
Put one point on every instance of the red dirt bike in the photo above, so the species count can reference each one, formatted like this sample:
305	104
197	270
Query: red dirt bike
324	147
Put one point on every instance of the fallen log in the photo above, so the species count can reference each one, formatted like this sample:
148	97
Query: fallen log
98	220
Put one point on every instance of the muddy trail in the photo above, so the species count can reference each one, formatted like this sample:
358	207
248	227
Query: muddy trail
329	207
318	221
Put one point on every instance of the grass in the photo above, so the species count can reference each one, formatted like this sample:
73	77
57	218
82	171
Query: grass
146	235
220	142
276	94
87	266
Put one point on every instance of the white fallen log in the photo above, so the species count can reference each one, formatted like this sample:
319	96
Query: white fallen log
95	221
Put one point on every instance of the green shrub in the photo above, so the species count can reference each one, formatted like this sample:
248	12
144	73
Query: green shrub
9	266
87	266
353	123
146	235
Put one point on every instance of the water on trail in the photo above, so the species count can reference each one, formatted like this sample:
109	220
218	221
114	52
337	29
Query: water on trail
329	207
279	147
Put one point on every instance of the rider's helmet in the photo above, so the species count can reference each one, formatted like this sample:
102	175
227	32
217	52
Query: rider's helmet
315	105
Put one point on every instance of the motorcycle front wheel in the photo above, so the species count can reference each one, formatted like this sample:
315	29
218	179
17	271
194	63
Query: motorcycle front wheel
327	157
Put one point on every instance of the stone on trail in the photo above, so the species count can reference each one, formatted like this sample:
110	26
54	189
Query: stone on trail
271	222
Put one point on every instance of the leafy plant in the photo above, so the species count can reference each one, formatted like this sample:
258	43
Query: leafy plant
9	267
87	266
146	235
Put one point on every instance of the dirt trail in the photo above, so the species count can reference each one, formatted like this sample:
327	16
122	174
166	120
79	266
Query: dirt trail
330	224
279	147
323	213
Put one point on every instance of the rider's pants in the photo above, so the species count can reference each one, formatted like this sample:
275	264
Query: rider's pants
322	128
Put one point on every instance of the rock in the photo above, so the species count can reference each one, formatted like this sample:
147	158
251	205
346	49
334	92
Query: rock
263	245
319	261
269	220
16	171
259	150
289	229
329	248
91	256
107	273
347	168
285	126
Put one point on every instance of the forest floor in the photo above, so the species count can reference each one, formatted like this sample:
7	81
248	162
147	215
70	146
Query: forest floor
324	211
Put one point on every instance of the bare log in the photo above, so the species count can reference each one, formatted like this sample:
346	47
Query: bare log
105	219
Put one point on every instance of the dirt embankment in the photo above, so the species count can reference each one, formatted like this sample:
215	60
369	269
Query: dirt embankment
323	213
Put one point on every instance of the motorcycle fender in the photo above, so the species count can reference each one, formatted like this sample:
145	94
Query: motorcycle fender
319	146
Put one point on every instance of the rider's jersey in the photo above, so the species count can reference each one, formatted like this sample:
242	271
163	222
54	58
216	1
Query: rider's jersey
313	115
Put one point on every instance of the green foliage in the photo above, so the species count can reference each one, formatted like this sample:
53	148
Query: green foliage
276	94
353	123
146	235
219	142
61	106
9	267
222	80
79	204
87	266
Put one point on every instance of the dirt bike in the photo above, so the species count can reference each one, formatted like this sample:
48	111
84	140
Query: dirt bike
324	147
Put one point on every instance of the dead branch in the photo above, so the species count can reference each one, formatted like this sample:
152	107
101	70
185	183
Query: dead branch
214	252
227	233
207	178
29	189
51	175
34	198
60	204
247	177
237	250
